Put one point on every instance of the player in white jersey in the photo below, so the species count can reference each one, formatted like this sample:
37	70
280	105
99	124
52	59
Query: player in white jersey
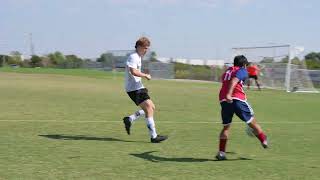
138	93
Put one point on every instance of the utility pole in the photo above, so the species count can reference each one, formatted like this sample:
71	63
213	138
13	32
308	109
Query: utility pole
31	45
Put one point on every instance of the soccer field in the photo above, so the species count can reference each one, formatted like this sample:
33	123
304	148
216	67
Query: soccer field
67	124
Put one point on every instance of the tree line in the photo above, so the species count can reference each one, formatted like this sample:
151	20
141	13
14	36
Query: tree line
59	60
53	60
311	60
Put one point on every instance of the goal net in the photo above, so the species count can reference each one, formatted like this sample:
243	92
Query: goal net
280	66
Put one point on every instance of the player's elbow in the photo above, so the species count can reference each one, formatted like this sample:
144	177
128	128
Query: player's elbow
133	71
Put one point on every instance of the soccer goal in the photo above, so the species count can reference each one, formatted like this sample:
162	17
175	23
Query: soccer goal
280	66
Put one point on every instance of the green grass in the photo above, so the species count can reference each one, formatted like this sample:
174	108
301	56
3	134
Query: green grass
66	124
74	72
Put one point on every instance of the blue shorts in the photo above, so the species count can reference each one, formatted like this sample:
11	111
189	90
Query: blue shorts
241	108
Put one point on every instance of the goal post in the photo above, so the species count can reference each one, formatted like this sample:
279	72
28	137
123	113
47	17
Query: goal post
281	67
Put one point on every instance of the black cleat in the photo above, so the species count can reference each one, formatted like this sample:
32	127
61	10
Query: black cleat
265	143
127	124
221	157
158	139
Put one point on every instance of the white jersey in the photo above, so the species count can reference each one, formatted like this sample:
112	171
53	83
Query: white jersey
133	83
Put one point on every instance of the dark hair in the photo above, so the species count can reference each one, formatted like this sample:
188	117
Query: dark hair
240	61
143	41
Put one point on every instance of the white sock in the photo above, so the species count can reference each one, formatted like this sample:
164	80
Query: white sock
151	126
136	115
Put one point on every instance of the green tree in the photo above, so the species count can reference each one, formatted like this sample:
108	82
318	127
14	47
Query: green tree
285	60
107	59
312	60
73	61
267	60
153	56
16	54
35	61
58	59
3	59
15	57
313	56
295	60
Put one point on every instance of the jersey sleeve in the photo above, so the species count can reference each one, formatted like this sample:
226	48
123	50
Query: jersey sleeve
132	62
242	74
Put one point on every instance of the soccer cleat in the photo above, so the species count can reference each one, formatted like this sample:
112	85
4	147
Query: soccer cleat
265	143
221	156
127	124
158	139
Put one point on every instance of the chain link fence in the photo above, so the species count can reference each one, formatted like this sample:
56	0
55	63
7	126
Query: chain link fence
271	74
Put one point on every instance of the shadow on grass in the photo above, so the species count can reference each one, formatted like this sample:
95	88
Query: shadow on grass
236	159
153	158
230	152
82	137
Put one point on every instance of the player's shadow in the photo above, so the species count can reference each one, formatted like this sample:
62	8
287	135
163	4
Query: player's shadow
236	159
82	137
153	158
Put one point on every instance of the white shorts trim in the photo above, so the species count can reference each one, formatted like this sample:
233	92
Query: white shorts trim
248	122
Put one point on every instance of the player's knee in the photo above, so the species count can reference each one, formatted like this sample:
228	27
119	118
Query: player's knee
150	106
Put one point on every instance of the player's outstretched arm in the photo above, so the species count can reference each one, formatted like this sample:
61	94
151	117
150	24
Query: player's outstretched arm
136	72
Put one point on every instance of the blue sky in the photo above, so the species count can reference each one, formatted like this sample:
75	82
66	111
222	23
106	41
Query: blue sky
177	28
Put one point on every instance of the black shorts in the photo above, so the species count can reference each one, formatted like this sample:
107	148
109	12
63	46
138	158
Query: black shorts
139	96
254	77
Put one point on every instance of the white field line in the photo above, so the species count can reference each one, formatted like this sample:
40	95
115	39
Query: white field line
160	122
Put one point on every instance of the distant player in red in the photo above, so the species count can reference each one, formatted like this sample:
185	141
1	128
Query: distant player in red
233	101
253	71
